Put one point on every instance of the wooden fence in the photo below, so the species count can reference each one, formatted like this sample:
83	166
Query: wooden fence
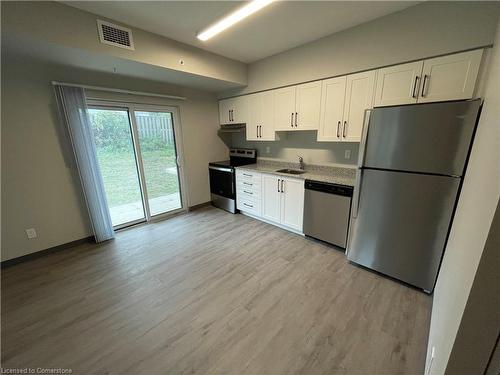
153	127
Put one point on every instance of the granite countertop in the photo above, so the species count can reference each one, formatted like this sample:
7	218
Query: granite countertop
322	173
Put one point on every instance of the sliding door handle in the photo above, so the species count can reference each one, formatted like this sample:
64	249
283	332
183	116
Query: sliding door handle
426	77
415	90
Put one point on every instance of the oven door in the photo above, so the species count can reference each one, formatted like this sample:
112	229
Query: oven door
222	182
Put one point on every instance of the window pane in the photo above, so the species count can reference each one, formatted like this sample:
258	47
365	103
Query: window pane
116	156
156	139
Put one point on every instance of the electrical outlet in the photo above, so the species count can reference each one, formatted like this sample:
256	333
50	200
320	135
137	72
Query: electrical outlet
31	233
347	154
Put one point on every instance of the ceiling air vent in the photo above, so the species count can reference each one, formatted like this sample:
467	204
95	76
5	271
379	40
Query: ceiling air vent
115	35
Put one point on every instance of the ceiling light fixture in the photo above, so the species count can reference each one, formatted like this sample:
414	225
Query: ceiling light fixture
228	21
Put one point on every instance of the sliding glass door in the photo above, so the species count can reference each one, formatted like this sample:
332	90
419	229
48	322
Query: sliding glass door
139	160
159	159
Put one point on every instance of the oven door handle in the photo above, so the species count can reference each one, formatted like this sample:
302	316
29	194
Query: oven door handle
220	169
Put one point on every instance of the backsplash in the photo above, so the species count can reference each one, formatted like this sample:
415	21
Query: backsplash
301	143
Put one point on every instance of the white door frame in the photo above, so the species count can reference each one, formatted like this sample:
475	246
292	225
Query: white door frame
135	107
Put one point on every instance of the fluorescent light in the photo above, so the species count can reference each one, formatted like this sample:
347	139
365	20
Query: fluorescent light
228	21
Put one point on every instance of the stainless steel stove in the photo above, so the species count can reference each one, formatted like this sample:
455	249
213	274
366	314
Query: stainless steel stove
222	177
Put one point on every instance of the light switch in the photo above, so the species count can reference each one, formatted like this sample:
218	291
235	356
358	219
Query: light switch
31	233
347	154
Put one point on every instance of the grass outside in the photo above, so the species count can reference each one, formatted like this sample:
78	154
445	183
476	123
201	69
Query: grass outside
119	173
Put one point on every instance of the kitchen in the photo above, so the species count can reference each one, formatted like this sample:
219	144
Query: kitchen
422	117
255	187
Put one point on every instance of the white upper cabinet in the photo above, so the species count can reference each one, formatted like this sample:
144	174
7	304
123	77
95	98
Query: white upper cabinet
332	109
233	110
297	107
398	84
225	111
344	101
260	125
267	132
254	116
284	108
358	98
450	77
307	106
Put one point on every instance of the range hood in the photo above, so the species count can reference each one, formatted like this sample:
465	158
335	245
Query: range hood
232	128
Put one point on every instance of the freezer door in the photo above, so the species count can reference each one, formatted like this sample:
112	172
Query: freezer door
427	138
402	223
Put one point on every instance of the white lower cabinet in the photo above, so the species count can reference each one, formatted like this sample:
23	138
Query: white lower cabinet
283	201
292	203
248	192
271	197
275	199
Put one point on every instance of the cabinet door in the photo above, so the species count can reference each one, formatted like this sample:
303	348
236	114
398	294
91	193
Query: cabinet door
224	108
332	109
292	203
254	116
284	108
240	110
266	132
271	198
398	84
358	98
450	77
308	106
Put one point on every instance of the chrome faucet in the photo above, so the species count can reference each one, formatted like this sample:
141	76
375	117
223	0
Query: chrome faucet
301	162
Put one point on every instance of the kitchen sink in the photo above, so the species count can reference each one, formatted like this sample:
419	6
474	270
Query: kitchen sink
290	171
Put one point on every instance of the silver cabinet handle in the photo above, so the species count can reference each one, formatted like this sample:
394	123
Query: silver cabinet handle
220	169
291	120
338	129
423	85
282	181
260	131
296	116
246	183
248	175
415	87
279	185
344	131
248	205
257	130
248	192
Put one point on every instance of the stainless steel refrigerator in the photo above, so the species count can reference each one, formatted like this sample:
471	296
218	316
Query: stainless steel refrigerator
411	162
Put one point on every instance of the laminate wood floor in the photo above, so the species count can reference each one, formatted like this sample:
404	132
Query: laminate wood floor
210	293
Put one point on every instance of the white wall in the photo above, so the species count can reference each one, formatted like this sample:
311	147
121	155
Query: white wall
38	188
428	29
473	218
302	143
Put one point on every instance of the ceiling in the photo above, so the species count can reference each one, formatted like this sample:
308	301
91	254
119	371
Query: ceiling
277	28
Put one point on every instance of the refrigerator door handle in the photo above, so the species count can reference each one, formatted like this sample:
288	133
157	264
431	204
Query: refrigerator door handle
364	134
356	194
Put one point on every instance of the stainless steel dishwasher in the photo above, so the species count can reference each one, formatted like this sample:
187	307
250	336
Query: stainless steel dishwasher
326	211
